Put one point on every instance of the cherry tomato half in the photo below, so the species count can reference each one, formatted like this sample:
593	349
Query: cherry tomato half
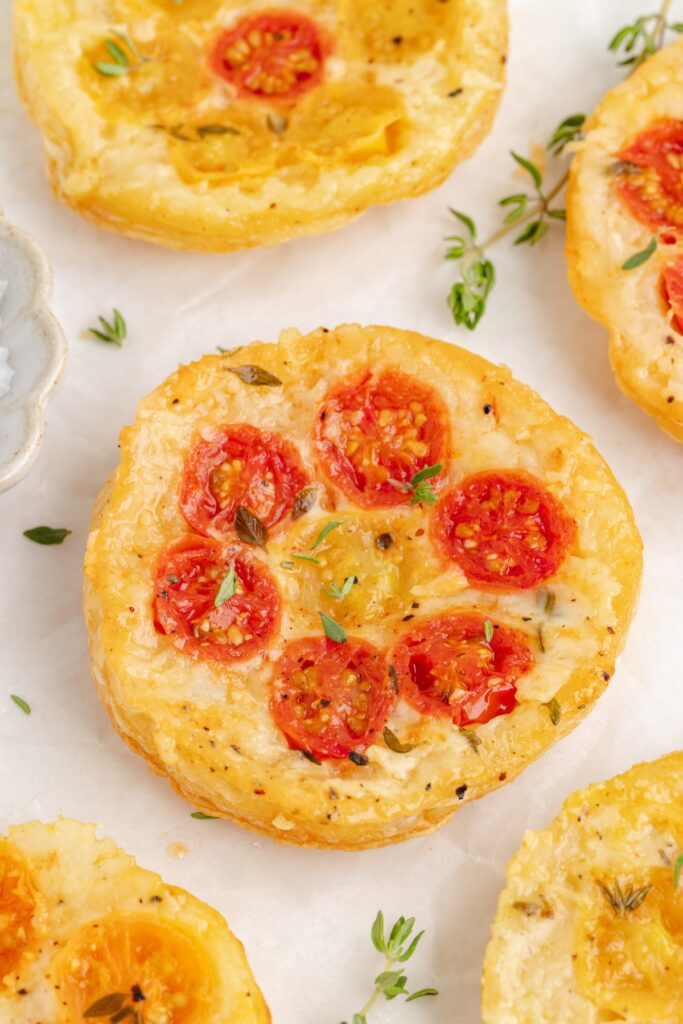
188	578
271	55
331	699
503	529
376	431
672	289
241	465
652	183
447	667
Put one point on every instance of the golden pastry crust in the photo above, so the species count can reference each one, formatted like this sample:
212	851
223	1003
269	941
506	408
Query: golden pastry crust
82	884
409	90
208	726
646	351
557	940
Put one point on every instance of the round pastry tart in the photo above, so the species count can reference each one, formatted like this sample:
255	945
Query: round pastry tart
343	583
590	924
217	125
625	232
87	935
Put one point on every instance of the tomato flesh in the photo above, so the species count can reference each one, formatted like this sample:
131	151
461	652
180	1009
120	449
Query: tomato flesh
652	184
18	904
241	465
271	55
188	578
161	971
503	529
672	289
374	432
331	699
447	667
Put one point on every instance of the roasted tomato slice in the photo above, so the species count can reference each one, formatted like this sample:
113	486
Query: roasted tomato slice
241	465
331	699
18	904
271	55
651	183
447	667
672	289
374	432
503	529
187	583
130	960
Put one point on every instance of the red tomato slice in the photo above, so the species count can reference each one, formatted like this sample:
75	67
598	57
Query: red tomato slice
503	529
331	699
376	431
188	577
653	187
271	55
446	667
241	465
672	289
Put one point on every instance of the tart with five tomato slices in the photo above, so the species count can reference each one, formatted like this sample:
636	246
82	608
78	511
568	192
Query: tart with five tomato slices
590	924
342	583
625	195
217	124
89	935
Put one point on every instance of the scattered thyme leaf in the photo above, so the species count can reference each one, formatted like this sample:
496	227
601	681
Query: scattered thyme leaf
567	131
201	816
306	558
21	703
488	631
554	710
473	740
105	1006
47	535
533	909
423	492
249	527
305	500
121	55
339	593
623	902
111	332
255	375
529	167
641	257
228	587
393	742
332	525
332	629
678	870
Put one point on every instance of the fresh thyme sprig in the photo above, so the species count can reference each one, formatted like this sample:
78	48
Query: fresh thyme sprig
397	949
636	42
531	211
112	332
125	56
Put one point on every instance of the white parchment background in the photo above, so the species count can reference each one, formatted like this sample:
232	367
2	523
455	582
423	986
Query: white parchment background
304	915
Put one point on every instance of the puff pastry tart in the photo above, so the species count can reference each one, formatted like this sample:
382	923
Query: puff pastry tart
626	195
218	124
590	924
87	935
343	583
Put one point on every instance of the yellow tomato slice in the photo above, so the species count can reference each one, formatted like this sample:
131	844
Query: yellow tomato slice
18	907
139	961
630	962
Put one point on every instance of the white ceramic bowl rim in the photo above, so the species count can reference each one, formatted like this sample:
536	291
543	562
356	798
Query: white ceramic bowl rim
37	348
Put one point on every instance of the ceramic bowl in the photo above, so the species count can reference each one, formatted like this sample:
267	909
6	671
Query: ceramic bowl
37	351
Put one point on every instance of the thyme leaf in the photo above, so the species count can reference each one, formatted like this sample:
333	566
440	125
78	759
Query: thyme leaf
111	332
21	703
249	527
339	593
327	528
255	375
332	629
554	710
393	742
228	587
488	631
125	56
624	902
641	257
423	492
678	870
47	535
